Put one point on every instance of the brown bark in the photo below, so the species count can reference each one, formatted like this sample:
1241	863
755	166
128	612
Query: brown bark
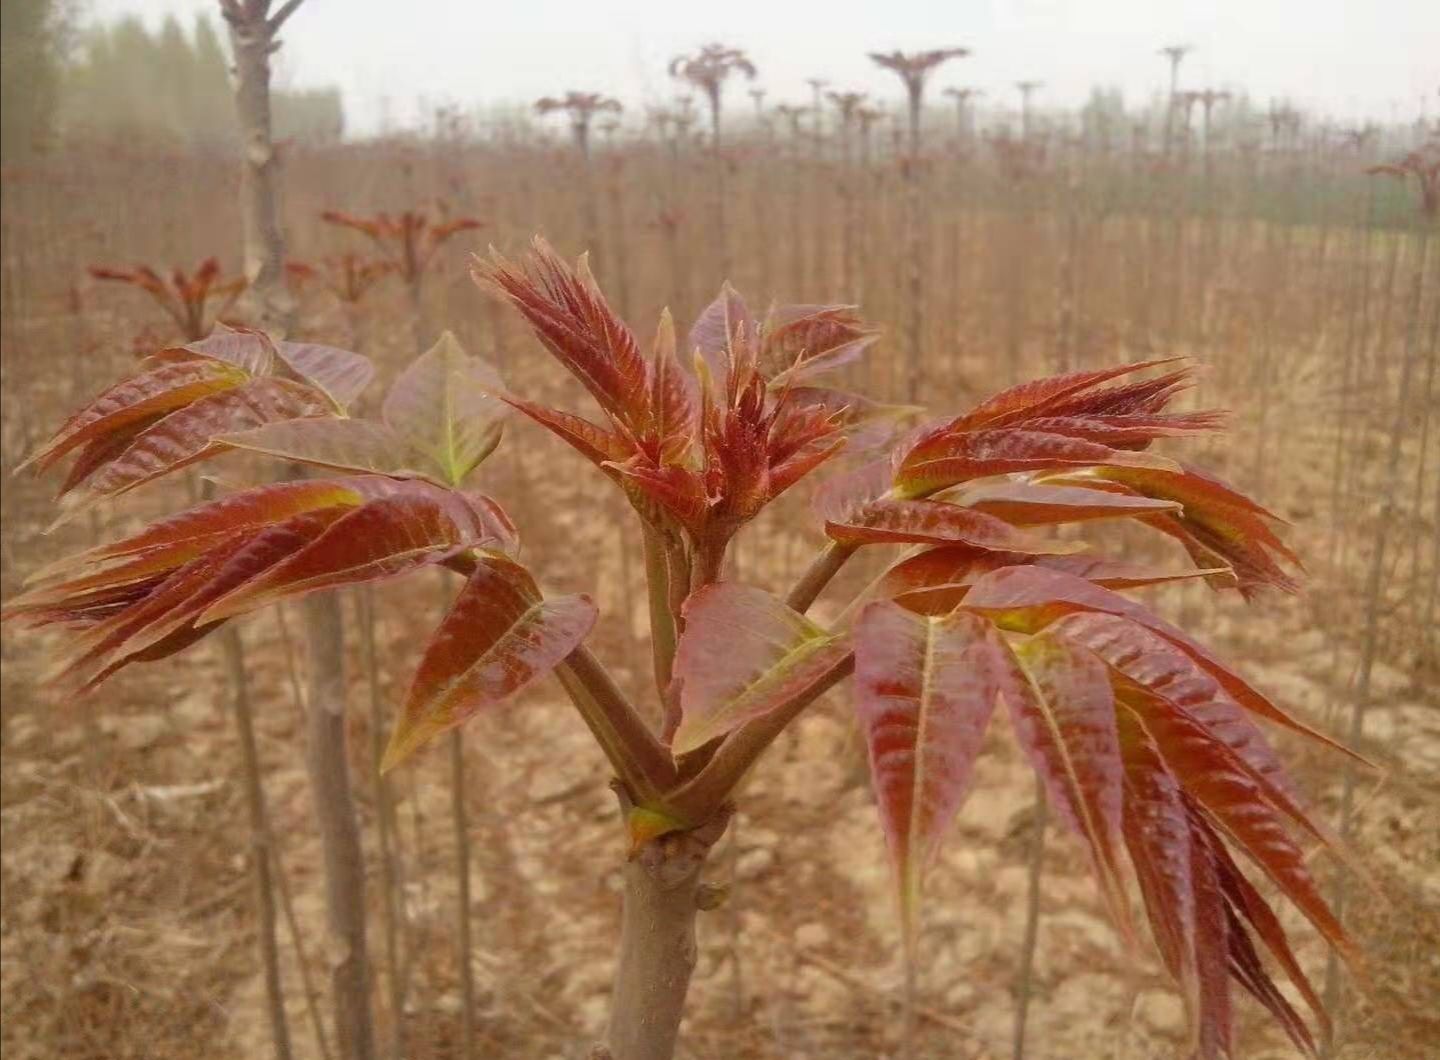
253	32
339	830
252	39
259	841
663	894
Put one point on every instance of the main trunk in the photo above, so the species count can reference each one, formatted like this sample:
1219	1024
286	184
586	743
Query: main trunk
663	894
271	304
339	830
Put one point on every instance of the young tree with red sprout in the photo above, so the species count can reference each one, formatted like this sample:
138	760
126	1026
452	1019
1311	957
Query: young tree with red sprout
581	107
409	241
964	117
1424	165
1173	53
1143	739
348	278
708	70
914	70
194	301
1026	90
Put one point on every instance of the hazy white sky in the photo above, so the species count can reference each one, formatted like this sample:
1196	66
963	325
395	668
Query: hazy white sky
1351	59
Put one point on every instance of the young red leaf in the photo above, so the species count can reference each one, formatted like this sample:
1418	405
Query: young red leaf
742	655
1027	504
924	692
1155	663
245	348
445	407
1219	781
946	457
573	321
1156	827
1216	1029
339	374
937	580
1020	401
1132	431
1029	598
674	401
184	536
174	604
936	522
801	342
1248	970
1215	522
393	535
1251	908
188	435
134	401
868	423
1063	712
718	326
498	637
596	444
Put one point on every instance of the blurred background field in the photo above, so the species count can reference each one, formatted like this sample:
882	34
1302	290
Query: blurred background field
1261	241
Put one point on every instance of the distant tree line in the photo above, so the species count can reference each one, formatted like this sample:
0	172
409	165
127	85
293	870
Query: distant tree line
123	81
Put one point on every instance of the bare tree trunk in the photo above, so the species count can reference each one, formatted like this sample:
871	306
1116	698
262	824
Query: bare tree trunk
259	840
1025	981
663	894
339	829
387	827
253	38
461	821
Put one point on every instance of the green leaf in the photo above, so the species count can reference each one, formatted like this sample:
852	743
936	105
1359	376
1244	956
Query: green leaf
336	444
446	407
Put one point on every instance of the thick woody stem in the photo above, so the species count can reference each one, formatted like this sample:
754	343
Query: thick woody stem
639	758
824	567
662	619
338	827
260	840
701	796
663	894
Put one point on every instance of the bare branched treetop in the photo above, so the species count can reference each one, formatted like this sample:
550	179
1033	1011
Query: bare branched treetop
582	108
847	103
792	113
579	104
961	95
1176	52
708	68
915	68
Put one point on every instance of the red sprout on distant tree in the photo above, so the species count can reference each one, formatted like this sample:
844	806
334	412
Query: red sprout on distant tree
195	302
914	69
349	277
408	241
1424	166
708	70
582	108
